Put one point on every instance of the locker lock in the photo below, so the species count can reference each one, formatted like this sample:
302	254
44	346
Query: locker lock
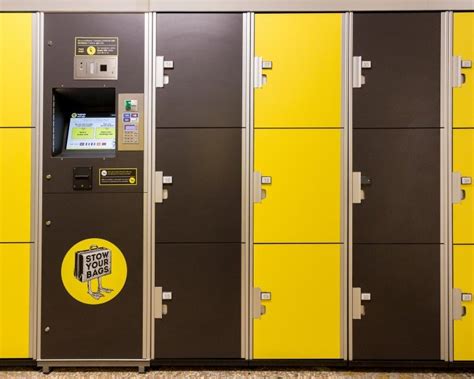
365	180
466	180
168	295
260	79
365	297
466	64
160	66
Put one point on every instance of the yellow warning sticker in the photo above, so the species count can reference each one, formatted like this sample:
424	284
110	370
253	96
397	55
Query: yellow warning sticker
118	176
94	271
97	46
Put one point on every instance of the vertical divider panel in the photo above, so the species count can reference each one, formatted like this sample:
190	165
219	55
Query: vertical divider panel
38	180
345	172
246	180
445	202
350	37
148	204
251	138
153	182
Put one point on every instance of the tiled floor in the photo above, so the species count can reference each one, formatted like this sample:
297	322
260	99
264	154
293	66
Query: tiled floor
231	374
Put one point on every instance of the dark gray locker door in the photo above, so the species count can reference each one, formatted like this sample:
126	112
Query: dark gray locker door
204	318
402	319
402	201
402	88
205	85
204	200
112	330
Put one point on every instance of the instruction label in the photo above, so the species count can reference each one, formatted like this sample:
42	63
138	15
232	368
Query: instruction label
97	46
118	177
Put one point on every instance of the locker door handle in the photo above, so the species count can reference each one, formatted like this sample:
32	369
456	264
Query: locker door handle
459	194
459	310
258	308
260	79
357	192
160	309
160	78
358	310
161	193
458	64
259	193
358	80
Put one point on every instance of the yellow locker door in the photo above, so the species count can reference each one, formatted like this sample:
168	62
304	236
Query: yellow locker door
15	69
14	300
303	201
304	84
303	317
463	162
15	182
464	280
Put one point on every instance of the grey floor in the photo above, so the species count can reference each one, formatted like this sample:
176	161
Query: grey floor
232	374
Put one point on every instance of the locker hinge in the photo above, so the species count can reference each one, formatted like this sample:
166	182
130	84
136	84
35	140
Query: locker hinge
259	193
161	309
260	79
459	310
459	78
358	310
160	78
358	80
458	193
258	296
161	193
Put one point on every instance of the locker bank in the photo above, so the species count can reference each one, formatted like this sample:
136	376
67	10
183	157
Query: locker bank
231	184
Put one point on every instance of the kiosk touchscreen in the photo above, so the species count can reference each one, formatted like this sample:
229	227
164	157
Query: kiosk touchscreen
91	132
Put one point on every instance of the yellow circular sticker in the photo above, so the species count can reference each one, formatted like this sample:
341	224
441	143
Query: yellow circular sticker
91	50
132	180
94	271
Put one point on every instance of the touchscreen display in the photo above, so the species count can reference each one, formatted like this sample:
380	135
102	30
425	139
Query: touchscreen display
91	132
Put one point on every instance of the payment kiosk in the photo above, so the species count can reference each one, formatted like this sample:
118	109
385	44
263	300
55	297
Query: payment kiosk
92	190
